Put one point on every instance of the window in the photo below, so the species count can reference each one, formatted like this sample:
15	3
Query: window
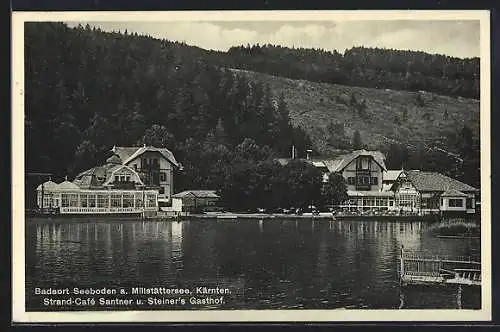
408	200
363	163
73	200
116	200
64	200
127	178
117	178
162	190
102	200
455	202
364	180
128	200
163	176
350	180
135	167
91	200
83	200
375	180
151	200
138	200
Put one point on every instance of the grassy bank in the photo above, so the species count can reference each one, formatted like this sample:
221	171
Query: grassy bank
456	227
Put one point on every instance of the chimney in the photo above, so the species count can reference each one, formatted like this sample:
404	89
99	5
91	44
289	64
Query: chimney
308	154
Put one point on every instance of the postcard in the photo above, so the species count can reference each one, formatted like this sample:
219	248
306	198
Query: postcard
251	166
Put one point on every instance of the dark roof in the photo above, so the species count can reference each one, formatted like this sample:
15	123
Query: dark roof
124	152
90	178
453	193
197	194
114	159
432	181
127	154
339	163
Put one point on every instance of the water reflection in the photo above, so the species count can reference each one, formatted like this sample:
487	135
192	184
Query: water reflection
284	263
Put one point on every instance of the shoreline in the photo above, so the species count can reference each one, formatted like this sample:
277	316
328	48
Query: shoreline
223	217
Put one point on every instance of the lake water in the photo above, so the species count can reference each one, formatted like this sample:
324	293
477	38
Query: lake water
267	264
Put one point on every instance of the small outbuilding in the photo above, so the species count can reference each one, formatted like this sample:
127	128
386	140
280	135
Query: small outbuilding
195	200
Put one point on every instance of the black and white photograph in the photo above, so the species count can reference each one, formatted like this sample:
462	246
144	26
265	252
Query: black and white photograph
251	166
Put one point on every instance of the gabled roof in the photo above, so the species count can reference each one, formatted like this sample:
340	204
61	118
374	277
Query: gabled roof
197	194
319	163
48	185
314	162
432	181
124	152
339	163
90	178
387	187
113	170
392	175
127	154
114	159
67	186
453	193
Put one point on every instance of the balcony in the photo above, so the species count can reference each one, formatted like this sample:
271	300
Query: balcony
363	172
363	186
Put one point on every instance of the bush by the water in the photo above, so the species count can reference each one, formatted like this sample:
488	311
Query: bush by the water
455	227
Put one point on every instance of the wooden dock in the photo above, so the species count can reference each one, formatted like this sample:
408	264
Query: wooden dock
418	269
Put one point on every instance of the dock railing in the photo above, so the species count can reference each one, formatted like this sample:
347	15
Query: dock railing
421	269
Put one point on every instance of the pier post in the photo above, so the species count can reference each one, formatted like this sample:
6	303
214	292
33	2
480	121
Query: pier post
459	297
402	265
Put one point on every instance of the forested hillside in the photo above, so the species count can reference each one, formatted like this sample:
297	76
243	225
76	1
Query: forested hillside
366	67
87	90
415	130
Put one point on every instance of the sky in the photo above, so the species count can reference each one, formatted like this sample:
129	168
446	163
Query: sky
449	37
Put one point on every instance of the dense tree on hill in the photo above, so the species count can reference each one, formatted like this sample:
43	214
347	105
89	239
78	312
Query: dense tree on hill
335	189
463	166
88	90
303	184
360	66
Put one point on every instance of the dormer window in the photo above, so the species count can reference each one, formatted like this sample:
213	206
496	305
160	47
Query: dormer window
363	163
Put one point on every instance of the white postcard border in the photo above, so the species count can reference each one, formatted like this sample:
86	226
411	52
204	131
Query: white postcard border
19	314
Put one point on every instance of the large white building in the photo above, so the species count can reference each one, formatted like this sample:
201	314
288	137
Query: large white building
371	186
133	180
